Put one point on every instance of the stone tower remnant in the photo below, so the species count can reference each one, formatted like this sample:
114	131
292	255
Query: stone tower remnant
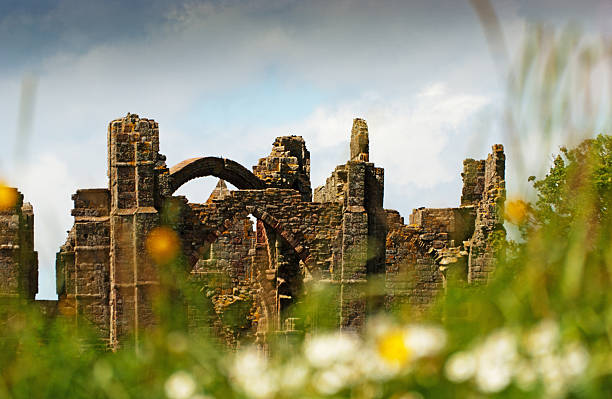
18	260
360	142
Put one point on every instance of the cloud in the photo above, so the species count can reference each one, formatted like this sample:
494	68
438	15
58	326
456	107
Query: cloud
47	183
409	136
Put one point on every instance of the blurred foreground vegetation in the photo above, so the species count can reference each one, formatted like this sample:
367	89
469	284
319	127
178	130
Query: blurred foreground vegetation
541	328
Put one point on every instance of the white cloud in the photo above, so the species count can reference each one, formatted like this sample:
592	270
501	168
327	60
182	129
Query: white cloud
47	182
409	136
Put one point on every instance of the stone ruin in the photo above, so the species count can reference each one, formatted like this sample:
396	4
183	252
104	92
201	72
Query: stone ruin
340	237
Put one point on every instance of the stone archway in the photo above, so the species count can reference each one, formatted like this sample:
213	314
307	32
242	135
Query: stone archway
274	284
222	168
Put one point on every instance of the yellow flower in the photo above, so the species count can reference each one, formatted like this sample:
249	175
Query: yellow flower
8	197
392	348
162	244
516	211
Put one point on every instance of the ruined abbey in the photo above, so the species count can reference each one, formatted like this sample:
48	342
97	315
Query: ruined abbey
259	247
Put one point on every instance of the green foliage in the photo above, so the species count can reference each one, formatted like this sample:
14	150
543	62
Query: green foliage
578	185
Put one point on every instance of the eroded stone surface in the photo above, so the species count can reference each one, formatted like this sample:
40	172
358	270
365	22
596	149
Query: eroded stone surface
254	251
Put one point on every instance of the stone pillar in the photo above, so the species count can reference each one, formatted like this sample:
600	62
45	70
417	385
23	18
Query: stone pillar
353	275
83	263
360	143
364	232
377	237
18	260
377	218
133	153
489	218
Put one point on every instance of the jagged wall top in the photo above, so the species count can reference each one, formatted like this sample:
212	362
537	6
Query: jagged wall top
287	166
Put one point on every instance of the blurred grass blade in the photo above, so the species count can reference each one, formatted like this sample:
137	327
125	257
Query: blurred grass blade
29	86
493	34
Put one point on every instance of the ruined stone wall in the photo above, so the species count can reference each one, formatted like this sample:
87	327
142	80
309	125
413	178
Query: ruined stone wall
489	219
226	263
83	263
473	176
251	279
444	226
264	270
224	272
287	166
419	254
413	279
334	188
228	258
18	260
308	227
447	243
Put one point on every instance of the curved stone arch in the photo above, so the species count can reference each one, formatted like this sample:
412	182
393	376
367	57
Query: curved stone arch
222	168
270	221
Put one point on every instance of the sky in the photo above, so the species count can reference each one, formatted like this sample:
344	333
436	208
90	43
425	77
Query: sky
226	78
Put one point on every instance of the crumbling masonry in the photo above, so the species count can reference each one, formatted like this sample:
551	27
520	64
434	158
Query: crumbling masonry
257	268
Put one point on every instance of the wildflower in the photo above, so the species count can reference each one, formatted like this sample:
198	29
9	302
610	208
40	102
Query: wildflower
395	349
424	341
262	386
371	365
575	360
252	375
496	361
543	338
550	367
325	350
525	375
516	211
392	348
294	375
180	385
334	379
460	367
8	197
250	361
162	244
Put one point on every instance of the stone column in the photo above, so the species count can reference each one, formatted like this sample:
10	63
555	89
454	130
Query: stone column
377	237
18	260
489	218
360	142
364	232
133	152
83	263
353	276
